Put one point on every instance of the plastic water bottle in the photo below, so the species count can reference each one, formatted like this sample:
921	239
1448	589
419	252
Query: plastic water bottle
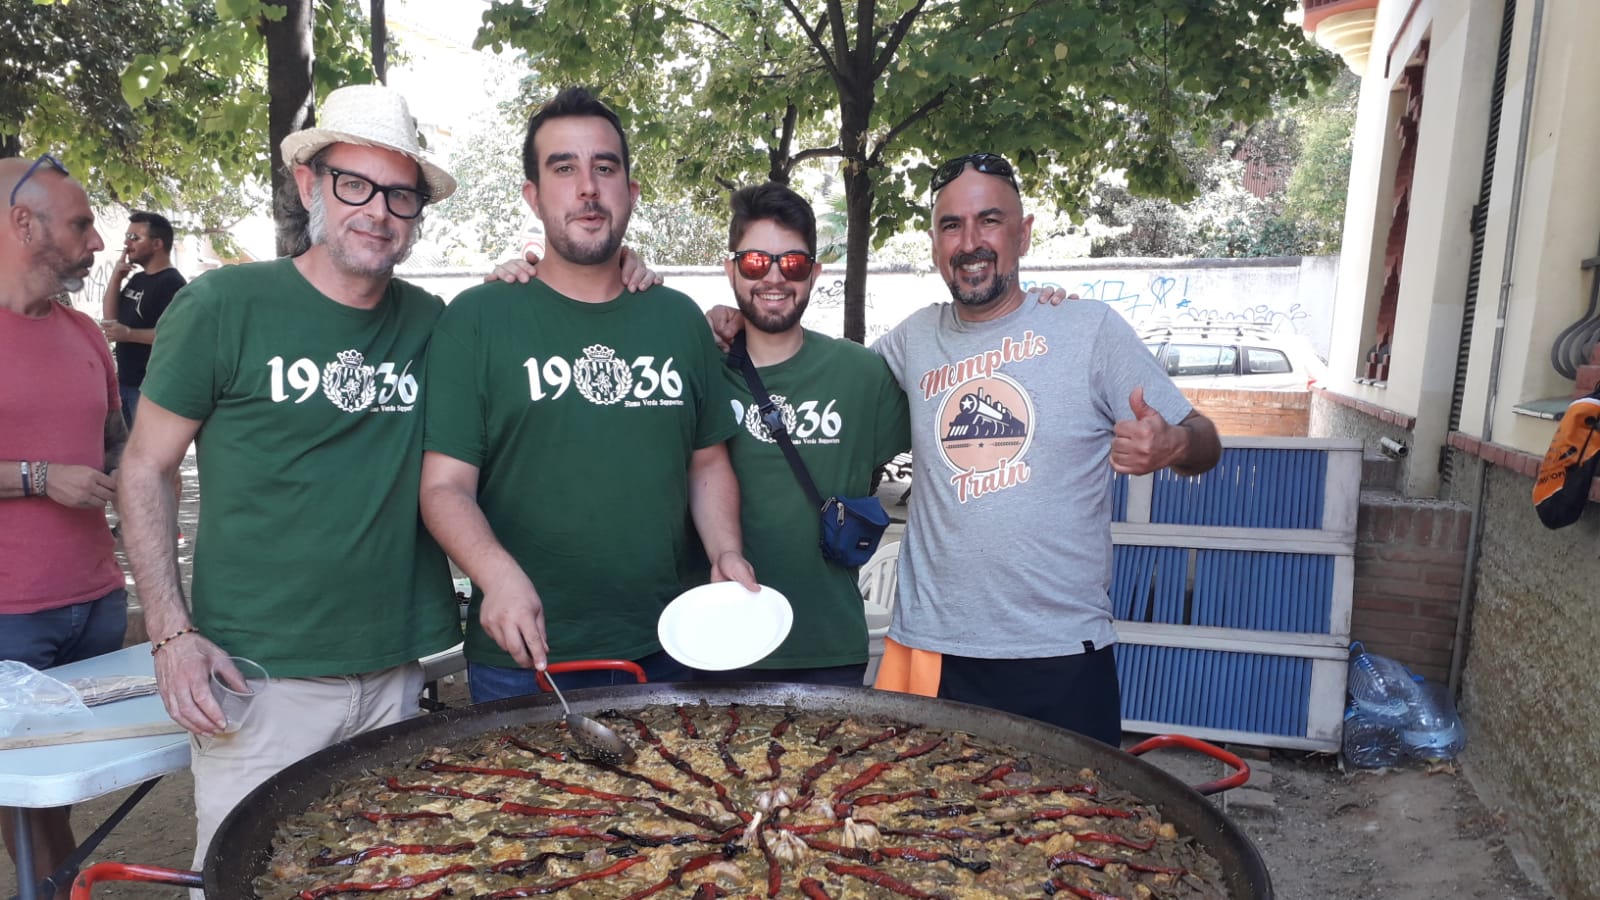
1381	687
1433	730
1370	743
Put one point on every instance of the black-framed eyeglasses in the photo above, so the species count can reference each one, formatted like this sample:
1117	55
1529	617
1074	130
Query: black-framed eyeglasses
356	190
795	265
987	163
44	159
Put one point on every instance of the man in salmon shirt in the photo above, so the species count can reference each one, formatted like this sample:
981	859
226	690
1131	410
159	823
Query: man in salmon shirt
61	435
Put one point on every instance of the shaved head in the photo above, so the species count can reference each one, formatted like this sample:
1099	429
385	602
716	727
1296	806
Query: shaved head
48	239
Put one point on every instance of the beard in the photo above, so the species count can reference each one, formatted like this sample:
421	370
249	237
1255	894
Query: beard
346	257
999	284
771	322
592	251
51	257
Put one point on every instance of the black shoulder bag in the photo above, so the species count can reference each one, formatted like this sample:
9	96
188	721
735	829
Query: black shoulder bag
851	526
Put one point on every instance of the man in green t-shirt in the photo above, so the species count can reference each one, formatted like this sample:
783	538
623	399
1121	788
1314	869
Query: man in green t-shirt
845	414
301	381
573	431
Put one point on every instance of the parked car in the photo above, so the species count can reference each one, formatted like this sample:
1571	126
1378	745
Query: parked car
1233	355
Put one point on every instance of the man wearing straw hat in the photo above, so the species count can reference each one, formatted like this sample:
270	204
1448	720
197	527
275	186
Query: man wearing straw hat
301	378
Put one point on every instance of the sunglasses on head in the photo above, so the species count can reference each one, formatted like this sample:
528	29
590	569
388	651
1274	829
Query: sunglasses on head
987	163
44	159
795	265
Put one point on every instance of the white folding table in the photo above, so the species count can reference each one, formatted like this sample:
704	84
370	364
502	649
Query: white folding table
63	774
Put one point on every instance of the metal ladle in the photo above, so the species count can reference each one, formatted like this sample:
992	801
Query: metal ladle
601	742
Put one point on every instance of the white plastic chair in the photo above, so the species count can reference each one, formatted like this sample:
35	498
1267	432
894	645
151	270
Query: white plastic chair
877	580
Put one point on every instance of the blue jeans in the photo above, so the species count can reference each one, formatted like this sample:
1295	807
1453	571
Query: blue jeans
840	676
55	637
499	682
130	402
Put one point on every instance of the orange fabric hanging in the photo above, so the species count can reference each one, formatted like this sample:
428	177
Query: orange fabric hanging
907	670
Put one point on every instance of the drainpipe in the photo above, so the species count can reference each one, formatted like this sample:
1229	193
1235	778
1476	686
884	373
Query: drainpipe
1458	655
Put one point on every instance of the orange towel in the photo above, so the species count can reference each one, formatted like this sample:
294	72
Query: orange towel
908	670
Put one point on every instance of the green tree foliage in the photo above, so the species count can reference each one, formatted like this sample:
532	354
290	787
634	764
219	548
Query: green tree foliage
724	92
159	103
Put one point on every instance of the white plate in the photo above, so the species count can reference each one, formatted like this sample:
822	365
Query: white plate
723	626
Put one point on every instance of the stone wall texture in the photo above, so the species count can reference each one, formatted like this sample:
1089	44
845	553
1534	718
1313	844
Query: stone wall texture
1531	695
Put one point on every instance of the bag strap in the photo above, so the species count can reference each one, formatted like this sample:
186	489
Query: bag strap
772	418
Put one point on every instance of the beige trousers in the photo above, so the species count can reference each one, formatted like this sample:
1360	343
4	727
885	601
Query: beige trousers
290	719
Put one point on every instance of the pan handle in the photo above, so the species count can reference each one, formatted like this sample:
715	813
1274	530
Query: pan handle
83	885
1163	741
589	665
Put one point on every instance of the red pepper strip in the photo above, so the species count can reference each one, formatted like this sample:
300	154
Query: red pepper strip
688	723
1075	858
582	791
322	859
674	840
816	771
827	731
1091	836
880	879
1056	884
859	854
692	818
1088	789
430	765
860	781
682	765
774	868
920	855
775	751
526	747
391	884
562	884
376	817
557	812
728	762
889	733
675	876
577	831
733	722
782	728
656	783
875	799
951	834
920	750
1087	812
645	734
813	889
395	785
996	773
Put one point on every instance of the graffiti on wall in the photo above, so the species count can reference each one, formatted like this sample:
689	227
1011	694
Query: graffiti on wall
1164	297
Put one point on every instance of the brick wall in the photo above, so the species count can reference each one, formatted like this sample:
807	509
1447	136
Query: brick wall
1409	558
1255	413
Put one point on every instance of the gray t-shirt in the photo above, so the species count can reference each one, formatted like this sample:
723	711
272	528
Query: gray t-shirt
1007	553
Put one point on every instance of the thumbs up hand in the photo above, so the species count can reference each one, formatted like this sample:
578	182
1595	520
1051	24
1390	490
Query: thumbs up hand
1147	442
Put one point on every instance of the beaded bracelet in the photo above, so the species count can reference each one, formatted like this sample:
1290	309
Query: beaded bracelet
154	648
41	472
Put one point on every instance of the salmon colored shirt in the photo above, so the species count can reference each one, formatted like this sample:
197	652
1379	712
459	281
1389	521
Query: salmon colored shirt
57	385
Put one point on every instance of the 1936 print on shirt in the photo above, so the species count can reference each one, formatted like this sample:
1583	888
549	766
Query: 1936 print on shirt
603	378
349	382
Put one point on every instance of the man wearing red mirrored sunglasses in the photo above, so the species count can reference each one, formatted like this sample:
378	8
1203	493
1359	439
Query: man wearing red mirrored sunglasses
845	415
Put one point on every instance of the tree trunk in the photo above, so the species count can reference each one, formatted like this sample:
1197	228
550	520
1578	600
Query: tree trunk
290	104
380	42
858	196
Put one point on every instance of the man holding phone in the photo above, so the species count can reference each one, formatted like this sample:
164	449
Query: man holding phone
129	311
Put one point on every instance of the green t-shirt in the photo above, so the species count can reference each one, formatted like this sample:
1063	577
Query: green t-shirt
846	415
310	557
582	419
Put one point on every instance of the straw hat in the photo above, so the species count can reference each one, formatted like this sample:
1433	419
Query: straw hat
371	115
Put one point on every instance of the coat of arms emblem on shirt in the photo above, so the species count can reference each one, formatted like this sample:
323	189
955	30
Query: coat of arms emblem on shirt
601	377
754	425
348	383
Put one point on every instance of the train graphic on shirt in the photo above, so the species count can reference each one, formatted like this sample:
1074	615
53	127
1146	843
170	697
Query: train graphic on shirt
980	415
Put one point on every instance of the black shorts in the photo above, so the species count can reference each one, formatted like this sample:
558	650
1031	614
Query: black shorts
1079	693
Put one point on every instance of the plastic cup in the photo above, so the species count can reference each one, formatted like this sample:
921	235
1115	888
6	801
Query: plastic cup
235	703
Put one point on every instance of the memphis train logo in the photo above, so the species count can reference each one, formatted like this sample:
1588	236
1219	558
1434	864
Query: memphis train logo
985	427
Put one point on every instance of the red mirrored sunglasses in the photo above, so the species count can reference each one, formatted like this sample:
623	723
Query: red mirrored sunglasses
795	265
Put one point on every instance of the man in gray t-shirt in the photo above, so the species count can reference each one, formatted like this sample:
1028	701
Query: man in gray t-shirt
1015	410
